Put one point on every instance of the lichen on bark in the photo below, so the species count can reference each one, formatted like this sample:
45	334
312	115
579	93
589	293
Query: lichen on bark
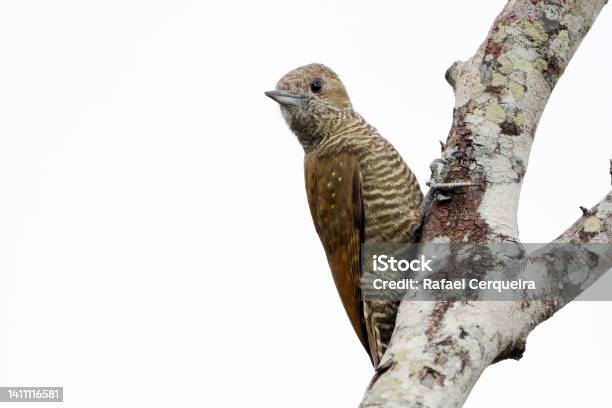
439	350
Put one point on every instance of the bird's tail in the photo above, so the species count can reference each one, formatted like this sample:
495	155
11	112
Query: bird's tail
380	322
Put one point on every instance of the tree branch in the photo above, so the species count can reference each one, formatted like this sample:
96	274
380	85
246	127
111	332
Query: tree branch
440	349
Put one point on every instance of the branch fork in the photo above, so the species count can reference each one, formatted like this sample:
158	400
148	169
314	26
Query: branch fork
439	349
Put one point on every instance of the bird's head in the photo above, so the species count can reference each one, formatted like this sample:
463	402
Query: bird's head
313	101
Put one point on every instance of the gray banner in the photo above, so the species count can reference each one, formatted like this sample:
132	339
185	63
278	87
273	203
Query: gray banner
496	272
31	394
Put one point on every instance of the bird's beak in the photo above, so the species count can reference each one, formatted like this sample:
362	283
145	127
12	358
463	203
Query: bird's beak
285	98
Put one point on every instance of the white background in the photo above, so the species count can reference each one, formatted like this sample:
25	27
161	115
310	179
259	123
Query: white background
156	247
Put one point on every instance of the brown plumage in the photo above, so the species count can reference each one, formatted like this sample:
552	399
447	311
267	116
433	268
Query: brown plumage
359	190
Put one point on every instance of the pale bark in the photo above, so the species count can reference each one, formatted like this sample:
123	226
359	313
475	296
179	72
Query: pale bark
440	349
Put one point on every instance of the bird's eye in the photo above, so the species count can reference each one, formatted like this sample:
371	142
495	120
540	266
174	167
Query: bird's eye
316	86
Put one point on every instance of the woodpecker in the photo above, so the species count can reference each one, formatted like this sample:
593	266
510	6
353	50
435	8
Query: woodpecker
358	187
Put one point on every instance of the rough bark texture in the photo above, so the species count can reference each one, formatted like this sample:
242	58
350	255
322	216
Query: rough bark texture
440	349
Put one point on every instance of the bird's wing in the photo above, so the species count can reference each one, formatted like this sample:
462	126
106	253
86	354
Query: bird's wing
333	187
